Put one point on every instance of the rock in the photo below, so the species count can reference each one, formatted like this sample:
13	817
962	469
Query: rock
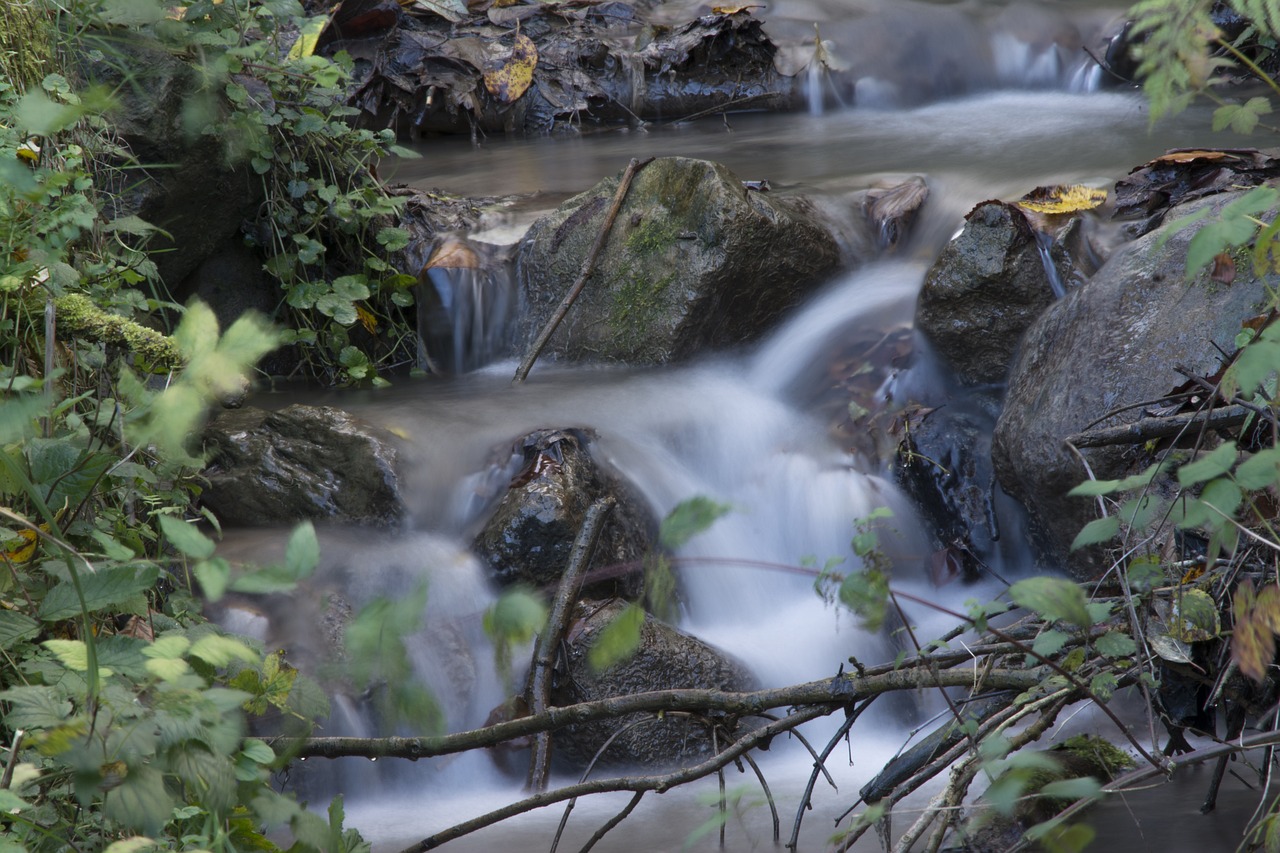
302	462
1111	343
694	261
890	209
529	536
986	287
666	659
944	467
154	105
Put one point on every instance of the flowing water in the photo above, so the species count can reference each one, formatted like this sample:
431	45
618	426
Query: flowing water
734	427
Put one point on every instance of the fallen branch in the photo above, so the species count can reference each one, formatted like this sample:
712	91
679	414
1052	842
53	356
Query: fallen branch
544	653
1146	429
587	267
829	693
637	784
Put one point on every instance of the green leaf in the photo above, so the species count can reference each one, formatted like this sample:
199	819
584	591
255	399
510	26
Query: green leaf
258	751
515	617
73	654
217	650
302	554
688	519
1082	788
11	803
15	626
1096	531
1259	471
1103	686
141	802
186	537
1054	599
867	594
1145	575
35	707
1050	642
393	239
1194	617
1214	464
1116	644
213	576
618	640
107	587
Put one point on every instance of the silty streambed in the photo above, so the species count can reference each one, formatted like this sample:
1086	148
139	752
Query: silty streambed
733	428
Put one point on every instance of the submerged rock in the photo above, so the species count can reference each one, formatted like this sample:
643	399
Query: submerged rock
530	535
988	285
1110	344
302	462
694	261
666	659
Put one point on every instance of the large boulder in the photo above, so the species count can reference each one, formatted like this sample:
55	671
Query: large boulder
987	286
665	659
302	462
1110	344
529	536
694	261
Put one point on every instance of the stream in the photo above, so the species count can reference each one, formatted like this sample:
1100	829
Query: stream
731	427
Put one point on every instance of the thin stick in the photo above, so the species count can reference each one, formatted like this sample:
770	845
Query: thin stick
7	779
768	794
819	766
1146	429
587	267
613	821
544	653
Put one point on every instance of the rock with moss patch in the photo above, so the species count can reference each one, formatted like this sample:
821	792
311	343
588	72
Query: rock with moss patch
694	261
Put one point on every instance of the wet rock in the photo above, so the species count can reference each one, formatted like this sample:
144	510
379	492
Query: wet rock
302	462
666	659
987	286
944	466
529	537
693	262
1111	343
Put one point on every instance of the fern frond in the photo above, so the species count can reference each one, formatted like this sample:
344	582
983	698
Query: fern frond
1174	54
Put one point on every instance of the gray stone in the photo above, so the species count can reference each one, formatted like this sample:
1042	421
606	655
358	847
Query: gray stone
666	659
693	262
529	536
302	462
1111	343
986	287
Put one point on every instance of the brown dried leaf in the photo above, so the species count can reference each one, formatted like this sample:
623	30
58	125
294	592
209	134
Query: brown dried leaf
1062	199
1224	268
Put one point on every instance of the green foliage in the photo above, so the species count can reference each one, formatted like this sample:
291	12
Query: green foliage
1055	599
618	640
379	661
688	519
511	622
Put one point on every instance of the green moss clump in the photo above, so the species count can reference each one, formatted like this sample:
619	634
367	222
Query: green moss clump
1099	752
79	317
26	43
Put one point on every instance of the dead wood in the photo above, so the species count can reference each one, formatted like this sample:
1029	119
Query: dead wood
1146	429
544	653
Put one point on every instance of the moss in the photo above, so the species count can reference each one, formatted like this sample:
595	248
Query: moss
78	317
654	235
637	306
1099	752
26	43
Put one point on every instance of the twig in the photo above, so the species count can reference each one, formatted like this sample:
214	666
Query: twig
586	774
636	784
587	267
544	652
819	766
612	822
768	795
7	779
1145	429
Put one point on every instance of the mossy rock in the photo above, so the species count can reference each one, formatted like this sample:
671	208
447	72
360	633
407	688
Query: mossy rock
693	262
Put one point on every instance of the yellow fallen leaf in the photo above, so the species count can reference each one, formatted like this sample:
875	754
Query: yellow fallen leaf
511	79
23	547
399	432
367	319
308	37
1062	199
733	10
